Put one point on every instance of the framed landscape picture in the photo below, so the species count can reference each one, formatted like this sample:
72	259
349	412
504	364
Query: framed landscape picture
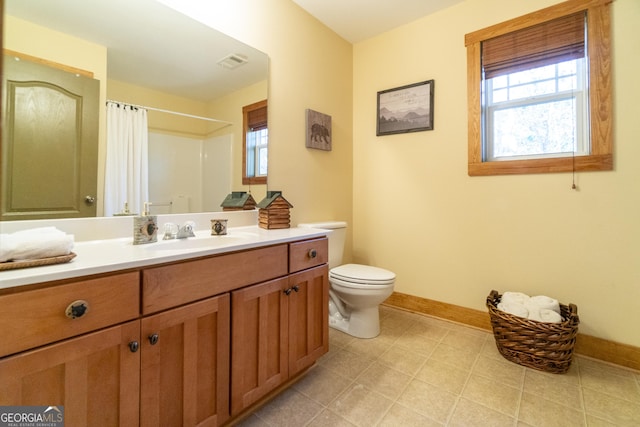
405	109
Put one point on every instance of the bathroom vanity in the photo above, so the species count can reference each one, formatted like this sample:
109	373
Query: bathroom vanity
165	335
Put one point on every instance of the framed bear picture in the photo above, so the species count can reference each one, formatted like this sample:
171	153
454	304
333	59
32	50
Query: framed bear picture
318	130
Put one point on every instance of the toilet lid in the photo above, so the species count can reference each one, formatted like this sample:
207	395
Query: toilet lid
364	274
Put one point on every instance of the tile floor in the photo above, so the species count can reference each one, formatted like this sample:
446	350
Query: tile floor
423	371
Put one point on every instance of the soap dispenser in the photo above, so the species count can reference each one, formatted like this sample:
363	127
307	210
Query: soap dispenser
145	227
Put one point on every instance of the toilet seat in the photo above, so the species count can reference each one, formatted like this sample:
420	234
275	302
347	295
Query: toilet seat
361	276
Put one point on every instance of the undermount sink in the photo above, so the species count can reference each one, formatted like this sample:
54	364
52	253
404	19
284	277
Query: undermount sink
201	242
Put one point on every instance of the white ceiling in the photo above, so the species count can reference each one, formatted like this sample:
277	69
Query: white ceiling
150	44
357	20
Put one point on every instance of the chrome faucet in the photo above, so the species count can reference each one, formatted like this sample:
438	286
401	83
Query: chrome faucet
172	231
186	231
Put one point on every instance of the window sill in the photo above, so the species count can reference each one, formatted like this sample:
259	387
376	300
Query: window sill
603	162
254	180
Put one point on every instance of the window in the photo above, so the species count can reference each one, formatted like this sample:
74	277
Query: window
539	92
255	138
537	113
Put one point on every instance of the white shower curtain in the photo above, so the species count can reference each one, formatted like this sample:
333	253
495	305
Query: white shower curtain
126	174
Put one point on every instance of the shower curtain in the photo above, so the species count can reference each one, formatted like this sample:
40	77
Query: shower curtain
126	173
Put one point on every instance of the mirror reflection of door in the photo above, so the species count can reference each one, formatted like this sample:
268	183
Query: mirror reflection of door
49	141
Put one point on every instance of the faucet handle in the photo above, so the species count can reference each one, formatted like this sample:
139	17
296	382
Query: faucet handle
187	229
170	231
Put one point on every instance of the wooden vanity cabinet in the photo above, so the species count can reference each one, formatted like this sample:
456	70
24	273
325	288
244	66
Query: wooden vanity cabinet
279	327
185	374
182	344
51	362
185	365
171	285
259	342
96	377
37	317
308	318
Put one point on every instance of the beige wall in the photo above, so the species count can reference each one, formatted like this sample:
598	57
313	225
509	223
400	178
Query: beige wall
229	108
25	37
453	238
159	121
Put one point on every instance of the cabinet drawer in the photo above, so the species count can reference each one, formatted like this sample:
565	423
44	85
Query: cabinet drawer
33	318
307	254
172	285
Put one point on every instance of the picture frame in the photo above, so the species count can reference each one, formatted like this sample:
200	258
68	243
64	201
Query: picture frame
318	126
405	109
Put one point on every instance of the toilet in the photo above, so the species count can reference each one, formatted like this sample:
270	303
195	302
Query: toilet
355	290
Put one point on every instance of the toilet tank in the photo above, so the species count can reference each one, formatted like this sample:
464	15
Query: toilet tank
337	239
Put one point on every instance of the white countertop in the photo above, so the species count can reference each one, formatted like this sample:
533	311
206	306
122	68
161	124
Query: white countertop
109	255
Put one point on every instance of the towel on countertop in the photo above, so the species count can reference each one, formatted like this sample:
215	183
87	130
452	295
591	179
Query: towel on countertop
540	307
35	243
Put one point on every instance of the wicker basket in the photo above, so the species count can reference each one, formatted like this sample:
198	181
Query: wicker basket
539	345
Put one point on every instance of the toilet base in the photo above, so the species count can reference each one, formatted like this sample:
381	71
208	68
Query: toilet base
362	323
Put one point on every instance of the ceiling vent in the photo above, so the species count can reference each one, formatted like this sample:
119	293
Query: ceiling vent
232	61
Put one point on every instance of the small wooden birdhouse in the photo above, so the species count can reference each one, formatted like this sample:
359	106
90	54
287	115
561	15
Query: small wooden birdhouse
238	201
274	211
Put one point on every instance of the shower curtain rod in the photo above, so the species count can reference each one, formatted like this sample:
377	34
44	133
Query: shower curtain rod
171	112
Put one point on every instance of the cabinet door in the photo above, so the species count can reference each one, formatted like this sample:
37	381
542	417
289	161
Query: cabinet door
259	342
96	378
308	317
185	365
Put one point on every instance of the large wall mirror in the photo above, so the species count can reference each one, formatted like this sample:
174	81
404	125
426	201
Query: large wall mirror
193	80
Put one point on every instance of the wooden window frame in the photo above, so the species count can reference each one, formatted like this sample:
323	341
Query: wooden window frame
249	180
600	102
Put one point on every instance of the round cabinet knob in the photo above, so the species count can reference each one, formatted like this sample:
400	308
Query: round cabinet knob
89	200
288	291
77	309
296	288
153	339
313	253
133	346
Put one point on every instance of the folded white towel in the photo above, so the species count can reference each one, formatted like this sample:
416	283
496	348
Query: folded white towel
517	297
514	308
544	315
36	243
543	301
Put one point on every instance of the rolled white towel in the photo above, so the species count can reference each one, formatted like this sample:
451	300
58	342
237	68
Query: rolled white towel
37	243
38	231
543	301
514	308
517	297
544	315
